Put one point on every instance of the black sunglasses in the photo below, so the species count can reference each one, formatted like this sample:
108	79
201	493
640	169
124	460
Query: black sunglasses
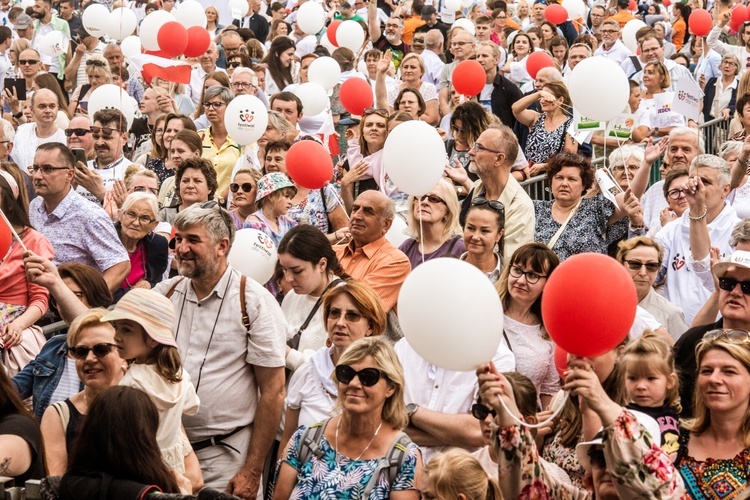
377	111
435	200
234	64
636	265
480	411
80	132
728	284
494	204
367	376
94	62
29	62
82	351
105	132
246	187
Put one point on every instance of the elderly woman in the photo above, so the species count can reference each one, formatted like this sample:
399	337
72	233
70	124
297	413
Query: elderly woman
624	163
433	226
520	287
99	366
351	311
244	189
721	92
483	236
98	73
370	385
218	147
657	119
147	250
412	68
717	443
676	200
196	181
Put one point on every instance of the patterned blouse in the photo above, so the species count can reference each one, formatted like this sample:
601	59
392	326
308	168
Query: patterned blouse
542	145
713	479
312	211
335	476
156	165
284	223
638	467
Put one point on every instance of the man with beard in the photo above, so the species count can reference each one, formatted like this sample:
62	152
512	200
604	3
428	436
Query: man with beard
391	39
46	23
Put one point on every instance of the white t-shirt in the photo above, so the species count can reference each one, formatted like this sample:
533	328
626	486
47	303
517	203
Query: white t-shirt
113	172
296	309
26	142
306	392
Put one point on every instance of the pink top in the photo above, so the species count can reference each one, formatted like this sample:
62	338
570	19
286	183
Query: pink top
14	289
137	268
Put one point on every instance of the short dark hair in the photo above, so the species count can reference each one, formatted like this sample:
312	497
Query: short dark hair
277	6
5	33
205	166
70	2
111	116
671	176
287	97
308	243
562	160
90	281
741	103
65	153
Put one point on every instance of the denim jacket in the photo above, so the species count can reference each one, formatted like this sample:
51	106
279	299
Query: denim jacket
40	377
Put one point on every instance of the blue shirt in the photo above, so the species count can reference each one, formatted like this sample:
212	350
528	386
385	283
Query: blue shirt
80	231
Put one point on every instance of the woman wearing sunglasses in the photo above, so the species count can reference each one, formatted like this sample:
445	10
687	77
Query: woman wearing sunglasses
92	344
433	226
244	189
483	236
370	384
98	73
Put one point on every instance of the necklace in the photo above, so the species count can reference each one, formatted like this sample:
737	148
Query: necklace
336	450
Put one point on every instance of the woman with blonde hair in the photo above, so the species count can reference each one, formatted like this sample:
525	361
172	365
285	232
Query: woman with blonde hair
411	69
98	73
433	227
457	474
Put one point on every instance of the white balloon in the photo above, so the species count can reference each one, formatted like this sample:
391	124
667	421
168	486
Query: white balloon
599	88
350	35
113	97
414	157
396	234
238	8
311	18
150	27
54	43
465	4
191	13
575	8
253	254
246	118
432	322
324	71
453	5
465	24
628	34
95	19
314	98
131	46
121	24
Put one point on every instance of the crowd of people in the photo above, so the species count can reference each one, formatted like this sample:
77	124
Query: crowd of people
175	372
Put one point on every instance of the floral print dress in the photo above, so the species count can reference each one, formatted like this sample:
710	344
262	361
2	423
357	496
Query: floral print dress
639	468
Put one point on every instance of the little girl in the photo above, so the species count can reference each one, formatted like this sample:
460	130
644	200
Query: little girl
651	383
144	321
274	198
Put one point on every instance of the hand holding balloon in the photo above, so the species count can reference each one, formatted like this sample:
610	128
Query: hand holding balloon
492	387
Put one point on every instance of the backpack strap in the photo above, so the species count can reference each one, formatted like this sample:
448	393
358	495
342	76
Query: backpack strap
243	304
310	442
171	290
393	461
62	409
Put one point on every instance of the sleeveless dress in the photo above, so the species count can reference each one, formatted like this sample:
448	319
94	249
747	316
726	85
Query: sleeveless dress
542	145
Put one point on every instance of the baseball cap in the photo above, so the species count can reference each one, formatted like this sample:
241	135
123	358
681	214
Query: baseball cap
740	258
152	310
23	22
428	11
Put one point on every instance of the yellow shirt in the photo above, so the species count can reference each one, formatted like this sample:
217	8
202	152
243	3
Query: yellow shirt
223	158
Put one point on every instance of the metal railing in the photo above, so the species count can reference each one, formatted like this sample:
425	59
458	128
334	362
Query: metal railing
715	133
538	189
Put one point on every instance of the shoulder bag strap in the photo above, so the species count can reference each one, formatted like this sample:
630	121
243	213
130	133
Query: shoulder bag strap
325	208
309	442
392	461
553	240
173	287
294	341
63	411
243	304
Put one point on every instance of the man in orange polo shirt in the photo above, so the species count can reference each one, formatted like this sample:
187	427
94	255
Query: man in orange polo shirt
413	22
623	14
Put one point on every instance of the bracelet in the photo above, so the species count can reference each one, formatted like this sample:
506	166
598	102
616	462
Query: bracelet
745	163
636	228
702	216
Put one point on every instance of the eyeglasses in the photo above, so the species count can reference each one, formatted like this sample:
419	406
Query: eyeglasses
730	63
143	189
367	376
631	168
80	132
676	194
213	105
636	265
728	284
377	111
246	187
242	85
737	336
46	169
459	44
479	147
82	351
28	62
349	316
132	216
531	277
95	62
480	411
608	32
234	64
105	132
494	204
433	199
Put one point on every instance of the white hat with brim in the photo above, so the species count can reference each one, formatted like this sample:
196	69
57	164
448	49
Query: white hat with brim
739	258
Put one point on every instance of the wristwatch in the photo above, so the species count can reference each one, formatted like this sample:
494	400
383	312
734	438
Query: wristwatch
18	115
411	409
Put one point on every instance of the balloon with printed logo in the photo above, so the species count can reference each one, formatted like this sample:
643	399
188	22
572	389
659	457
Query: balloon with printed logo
628	34
54	43
199	40
94	19
309	164
173	39
121	23
538	60
350	35
331	31
465	24
191	13
468	78
246	119
324	71
311	18
599	88
238	8
700	22
150	27
556	14
131	46
575	8
111	96
414	157
356	96
253	254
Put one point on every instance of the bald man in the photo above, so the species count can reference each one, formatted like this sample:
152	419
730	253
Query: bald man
29	136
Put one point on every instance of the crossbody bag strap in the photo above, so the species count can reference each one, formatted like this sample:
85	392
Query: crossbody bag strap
559	232
171	290
243	303
294	341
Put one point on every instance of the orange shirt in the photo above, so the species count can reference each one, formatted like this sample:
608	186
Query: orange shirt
379	264
411	24
622	17
510	23
14	288
678	33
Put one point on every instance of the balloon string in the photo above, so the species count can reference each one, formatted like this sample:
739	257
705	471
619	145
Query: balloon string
421	234
539	424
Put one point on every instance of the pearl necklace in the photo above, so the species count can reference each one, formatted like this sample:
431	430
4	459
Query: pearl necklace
336	450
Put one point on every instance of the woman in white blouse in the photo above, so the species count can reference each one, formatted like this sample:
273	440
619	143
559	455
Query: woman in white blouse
412	68
520	48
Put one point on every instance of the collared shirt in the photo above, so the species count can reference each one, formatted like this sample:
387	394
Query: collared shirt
109	174
219	354
666	313
80	231
26	142
442	390
197	77
56	64
434	66
617	53
676	73
223	158
493	275
379	264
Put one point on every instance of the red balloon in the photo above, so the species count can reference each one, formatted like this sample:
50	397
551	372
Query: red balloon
588	305
561	361
309	164
331	32
700	22
556	14
739	14
6	238
198	41
172	38
632	5
468	78
356	96
538	60
735	27
666	3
